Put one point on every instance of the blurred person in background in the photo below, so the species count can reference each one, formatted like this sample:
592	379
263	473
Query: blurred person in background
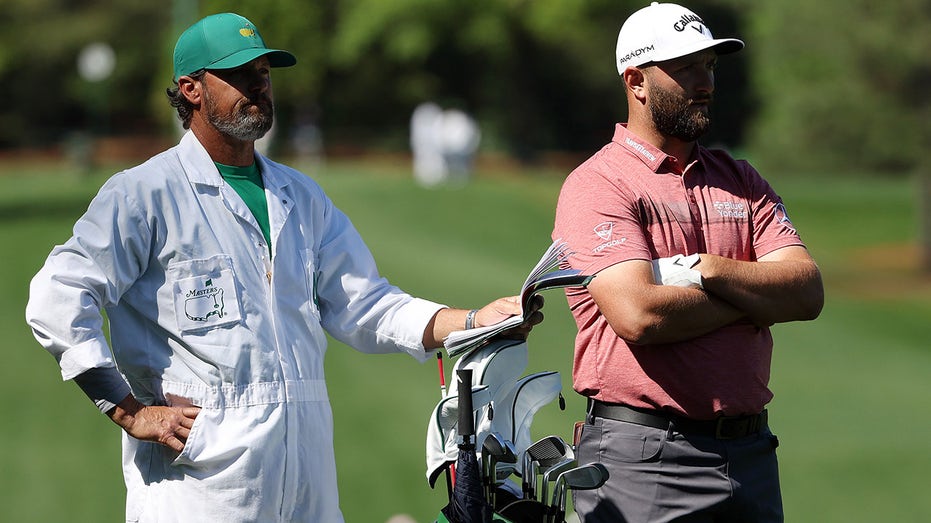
221	272
444	143
695	258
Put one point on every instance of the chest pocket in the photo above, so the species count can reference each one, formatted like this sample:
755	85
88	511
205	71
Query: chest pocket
205	293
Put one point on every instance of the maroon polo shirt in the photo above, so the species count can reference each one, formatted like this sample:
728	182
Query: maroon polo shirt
631	201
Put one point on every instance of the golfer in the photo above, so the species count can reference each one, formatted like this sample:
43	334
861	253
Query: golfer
695	258
221	272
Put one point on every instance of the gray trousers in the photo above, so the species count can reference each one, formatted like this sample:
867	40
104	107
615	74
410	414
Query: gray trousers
660	475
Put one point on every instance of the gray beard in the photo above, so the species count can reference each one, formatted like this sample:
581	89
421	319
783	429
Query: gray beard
672	116
243	125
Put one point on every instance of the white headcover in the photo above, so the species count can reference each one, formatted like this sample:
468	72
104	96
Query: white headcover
501	402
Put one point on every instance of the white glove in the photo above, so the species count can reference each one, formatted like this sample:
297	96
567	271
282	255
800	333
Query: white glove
677	271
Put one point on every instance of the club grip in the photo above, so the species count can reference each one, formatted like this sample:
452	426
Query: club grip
466	418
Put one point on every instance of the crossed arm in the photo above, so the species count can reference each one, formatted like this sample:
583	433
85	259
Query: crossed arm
784	285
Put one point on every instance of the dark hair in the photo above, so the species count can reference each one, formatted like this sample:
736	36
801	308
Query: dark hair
180	103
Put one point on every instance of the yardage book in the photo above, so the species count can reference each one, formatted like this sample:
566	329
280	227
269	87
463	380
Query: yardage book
545	275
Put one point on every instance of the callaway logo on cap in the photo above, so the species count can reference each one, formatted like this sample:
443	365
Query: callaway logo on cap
662	32
223	41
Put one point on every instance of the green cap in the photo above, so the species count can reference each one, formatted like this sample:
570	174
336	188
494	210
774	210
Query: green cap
223	41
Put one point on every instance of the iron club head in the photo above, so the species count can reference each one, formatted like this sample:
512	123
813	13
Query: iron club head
495	449
545	452
553	472
585	477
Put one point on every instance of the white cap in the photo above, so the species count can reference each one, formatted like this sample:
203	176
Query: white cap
661	32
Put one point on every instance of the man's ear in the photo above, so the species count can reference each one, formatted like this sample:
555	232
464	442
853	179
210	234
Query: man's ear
634	83
191	89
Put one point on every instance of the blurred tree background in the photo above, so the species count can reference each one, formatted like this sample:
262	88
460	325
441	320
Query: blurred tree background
822	88
826	86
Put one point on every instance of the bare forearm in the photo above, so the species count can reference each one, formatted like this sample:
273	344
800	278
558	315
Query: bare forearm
667	319
443	322
642	312
768	291
446	321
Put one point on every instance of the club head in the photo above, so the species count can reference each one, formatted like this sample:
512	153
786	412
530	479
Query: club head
493	444
552	472
500	449
495	449
586	477
510	452
549	450
506	464
546	451
504	470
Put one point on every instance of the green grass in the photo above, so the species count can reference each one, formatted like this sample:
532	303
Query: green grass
852	394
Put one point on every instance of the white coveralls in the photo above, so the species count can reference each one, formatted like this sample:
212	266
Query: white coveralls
199	315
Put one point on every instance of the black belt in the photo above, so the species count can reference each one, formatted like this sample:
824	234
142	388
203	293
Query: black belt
725	427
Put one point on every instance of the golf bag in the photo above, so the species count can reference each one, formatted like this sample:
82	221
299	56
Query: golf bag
502	402
502	405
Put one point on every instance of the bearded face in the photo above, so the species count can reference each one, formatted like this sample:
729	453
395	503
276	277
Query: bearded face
248	120
674	115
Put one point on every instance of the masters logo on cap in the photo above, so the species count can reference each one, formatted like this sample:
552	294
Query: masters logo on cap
662	32
223	41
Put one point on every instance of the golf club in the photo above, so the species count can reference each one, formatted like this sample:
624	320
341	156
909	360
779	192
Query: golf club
495	449
545	452
552	473
505	470
586	477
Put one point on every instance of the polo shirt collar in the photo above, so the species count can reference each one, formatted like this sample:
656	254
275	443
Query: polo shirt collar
650	155
647	153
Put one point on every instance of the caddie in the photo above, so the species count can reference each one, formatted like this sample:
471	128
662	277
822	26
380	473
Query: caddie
221	272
